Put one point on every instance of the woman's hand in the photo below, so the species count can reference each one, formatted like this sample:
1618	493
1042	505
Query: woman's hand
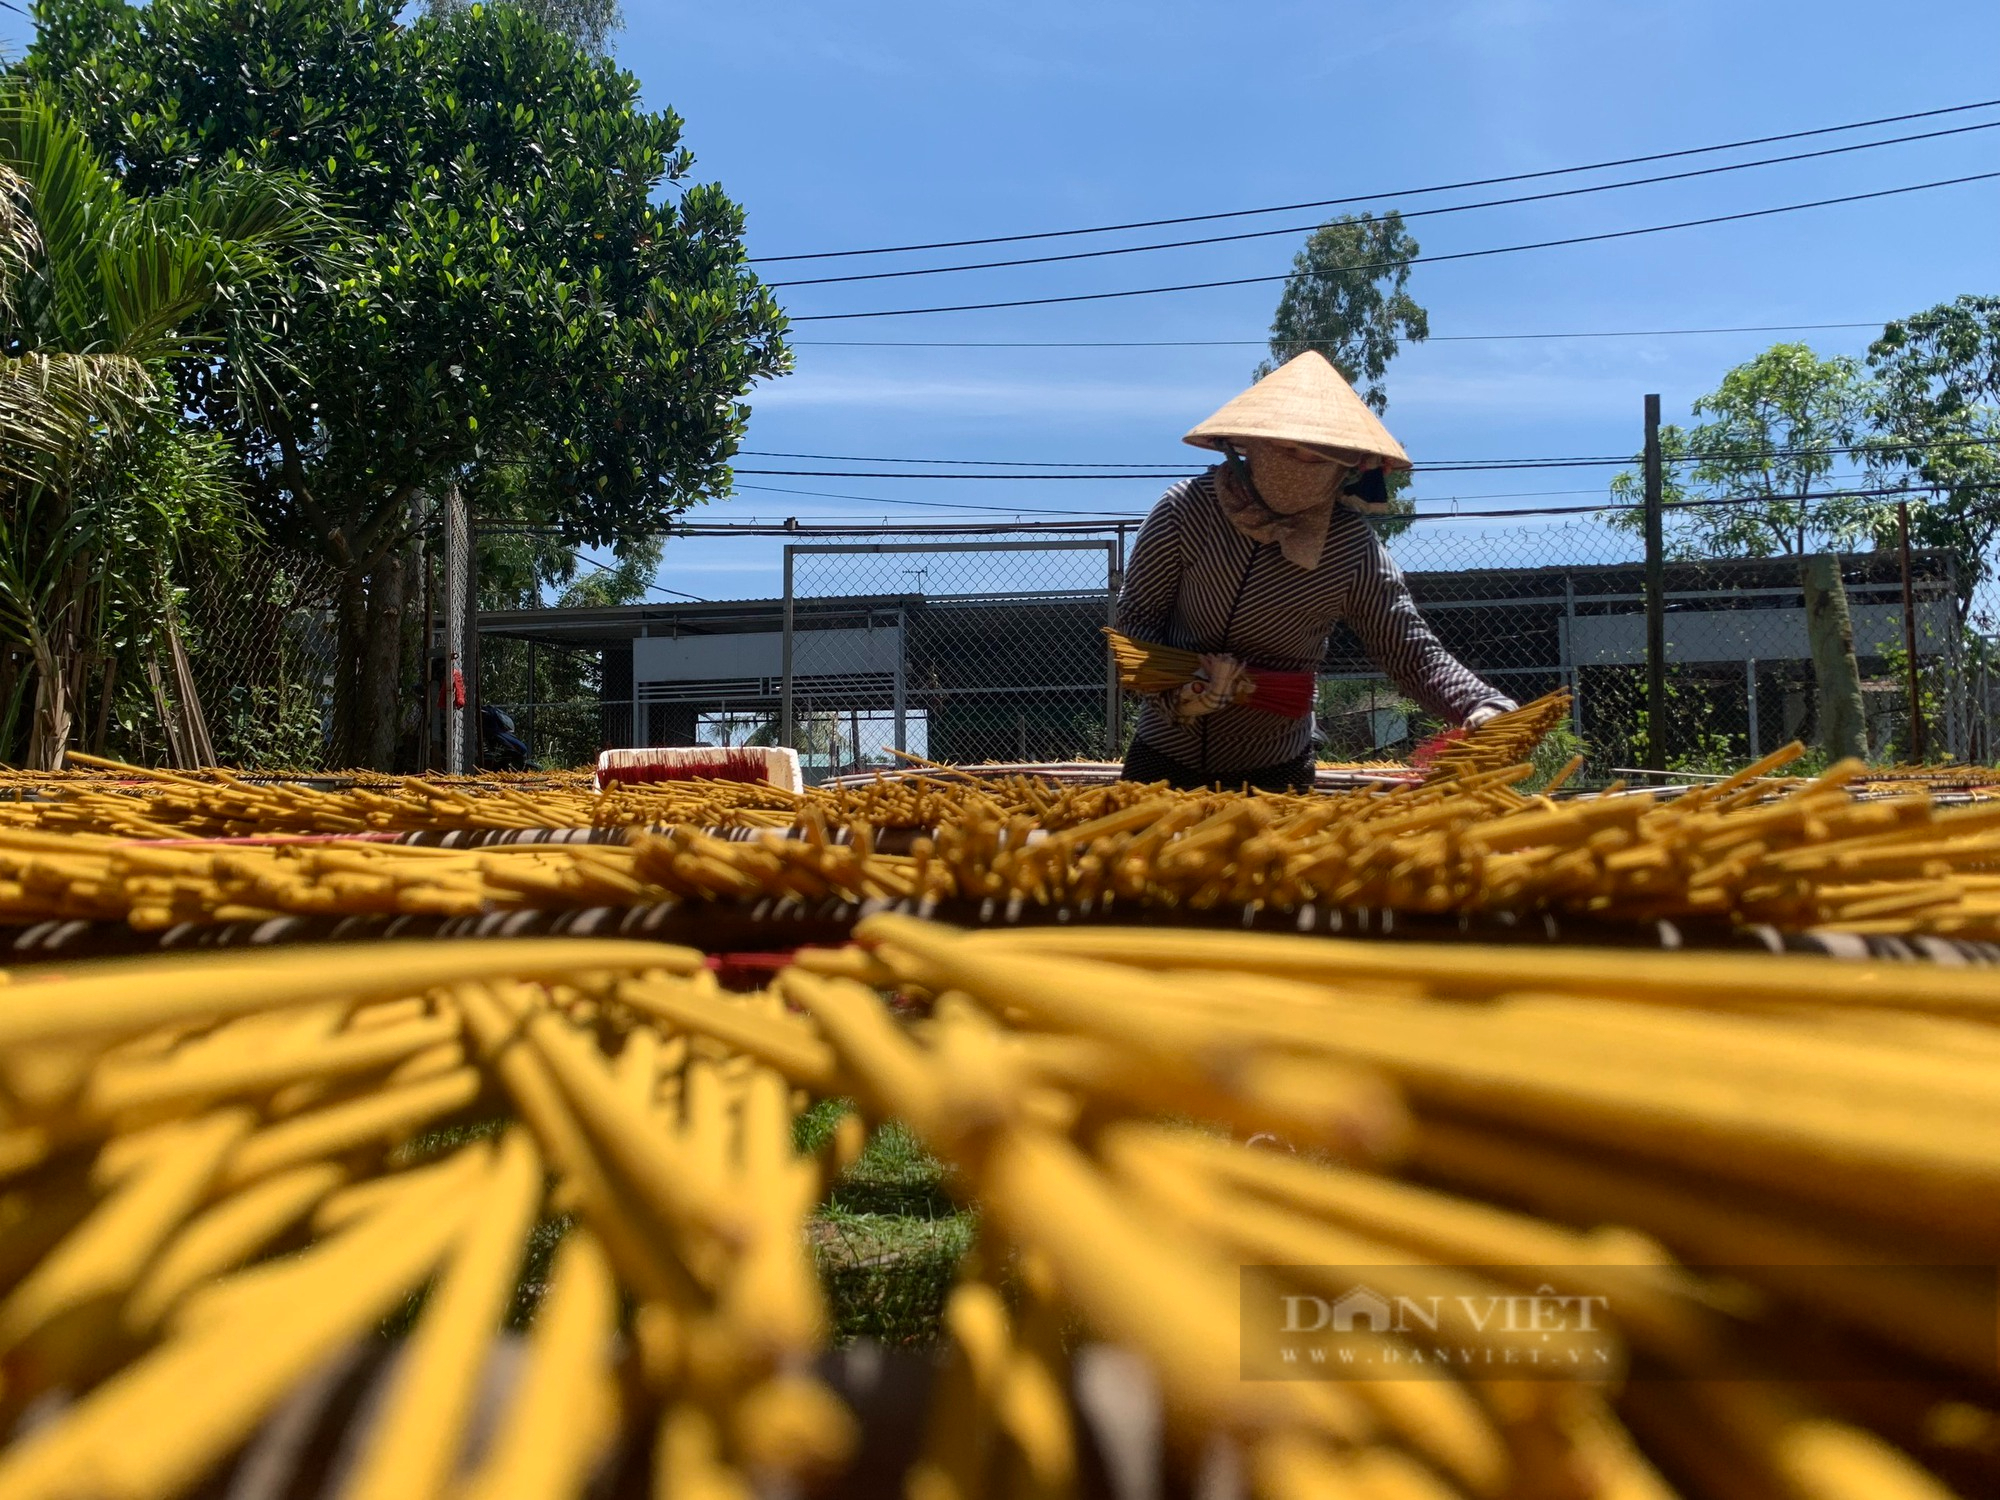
1221	681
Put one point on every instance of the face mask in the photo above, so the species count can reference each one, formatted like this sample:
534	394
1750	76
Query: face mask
1290	485
1296	522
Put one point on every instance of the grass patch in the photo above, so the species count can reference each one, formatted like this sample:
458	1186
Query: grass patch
895	1176
889	1238
887	1276
813	1127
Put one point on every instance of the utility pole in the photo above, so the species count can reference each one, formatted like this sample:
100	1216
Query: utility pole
1656	597
474	726
457	550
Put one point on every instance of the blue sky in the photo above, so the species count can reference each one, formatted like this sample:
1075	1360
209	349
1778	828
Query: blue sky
885	123
878	123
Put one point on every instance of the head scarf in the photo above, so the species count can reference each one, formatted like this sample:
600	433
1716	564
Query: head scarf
1281	499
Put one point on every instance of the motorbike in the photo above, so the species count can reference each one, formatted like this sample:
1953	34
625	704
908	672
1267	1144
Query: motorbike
501	749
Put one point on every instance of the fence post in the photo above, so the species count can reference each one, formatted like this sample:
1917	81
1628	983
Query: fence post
1114	694
1571	672
427	720
903	680
1656	597
457	552
475	736
787	727
1917	746
1750	703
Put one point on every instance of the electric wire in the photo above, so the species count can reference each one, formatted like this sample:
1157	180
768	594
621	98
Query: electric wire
1435	338
1601	237
1015	510
1446	187
1143	470
1415	213
651	588
793	527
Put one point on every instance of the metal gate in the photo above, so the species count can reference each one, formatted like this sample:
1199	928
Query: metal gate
953	651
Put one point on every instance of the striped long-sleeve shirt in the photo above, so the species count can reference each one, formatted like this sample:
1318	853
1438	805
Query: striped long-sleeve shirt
1195	581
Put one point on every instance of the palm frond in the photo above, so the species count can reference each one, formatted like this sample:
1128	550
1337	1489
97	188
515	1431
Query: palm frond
212	239
51	404
247	212
20	239
150	283
74	200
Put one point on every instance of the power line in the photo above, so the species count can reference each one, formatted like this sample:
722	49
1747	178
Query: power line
1415	260
1442	466
1164	472
652	588
725	528
1445	187
1435	338
773	489
1415	213
985	463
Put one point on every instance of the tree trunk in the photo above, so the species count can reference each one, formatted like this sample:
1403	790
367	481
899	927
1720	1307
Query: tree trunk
410	648
52	711
368	676
1843	725
350	637
381	665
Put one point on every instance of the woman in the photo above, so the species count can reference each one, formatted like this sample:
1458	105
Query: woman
1252	564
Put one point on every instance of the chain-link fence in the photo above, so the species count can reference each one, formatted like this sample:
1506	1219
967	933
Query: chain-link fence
258	635
1561	601
955	651
988	650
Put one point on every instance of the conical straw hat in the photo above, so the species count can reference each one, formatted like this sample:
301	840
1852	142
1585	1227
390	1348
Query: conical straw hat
1304	400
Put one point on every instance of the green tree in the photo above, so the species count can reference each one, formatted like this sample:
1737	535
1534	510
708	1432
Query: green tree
1773	433
100	482
523	294
1349	299
1938	377
588	23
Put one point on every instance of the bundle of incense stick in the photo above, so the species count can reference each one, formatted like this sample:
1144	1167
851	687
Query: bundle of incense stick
1506	739
755	764
1770	1178
1750	849
1147	668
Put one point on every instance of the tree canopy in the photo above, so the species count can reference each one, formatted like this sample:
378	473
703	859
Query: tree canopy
1922	414
1939	373
1778	429
588	23
533	283
1349	298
